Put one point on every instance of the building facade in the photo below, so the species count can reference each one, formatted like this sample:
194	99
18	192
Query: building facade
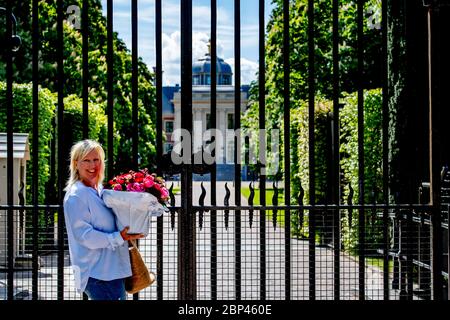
201	113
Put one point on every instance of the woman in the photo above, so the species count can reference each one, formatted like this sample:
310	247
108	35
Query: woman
98	251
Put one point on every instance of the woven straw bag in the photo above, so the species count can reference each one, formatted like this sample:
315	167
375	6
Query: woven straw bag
141	277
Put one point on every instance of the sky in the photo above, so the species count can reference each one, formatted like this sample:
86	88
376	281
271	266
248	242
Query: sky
201	17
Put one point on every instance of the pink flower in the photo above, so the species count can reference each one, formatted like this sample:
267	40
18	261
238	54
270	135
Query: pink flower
164	193
157	187
141	181
148	182
138	187
138	177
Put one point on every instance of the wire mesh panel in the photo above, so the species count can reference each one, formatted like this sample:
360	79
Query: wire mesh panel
148	250
301	277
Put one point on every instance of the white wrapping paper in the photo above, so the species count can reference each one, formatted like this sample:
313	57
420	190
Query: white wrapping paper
133	209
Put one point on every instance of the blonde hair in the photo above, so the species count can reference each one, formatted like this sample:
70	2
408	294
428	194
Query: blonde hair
78	152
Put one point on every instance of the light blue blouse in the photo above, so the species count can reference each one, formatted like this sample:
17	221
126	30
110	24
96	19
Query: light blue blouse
96	247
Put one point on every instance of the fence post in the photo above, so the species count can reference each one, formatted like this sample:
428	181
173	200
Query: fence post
186	220
434	150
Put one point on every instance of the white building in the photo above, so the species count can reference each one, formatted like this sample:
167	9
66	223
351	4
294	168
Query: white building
201	111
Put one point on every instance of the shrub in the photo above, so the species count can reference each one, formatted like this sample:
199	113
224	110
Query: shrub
23	123
373	174
349	162
300	157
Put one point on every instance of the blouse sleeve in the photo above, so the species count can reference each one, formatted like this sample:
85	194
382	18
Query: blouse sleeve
78	217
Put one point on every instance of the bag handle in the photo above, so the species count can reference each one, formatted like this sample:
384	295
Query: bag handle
132	244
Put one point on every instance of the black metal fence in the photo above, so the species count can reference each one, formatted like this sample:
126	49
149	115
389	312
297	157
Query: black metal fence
228	249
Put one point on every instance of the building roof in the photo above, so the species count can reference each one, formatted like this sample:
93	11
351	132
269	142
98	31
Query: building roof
203	65
21	146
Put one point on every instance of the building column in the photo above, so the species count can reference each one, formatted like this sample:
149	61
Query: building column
177	124
198	133
222	128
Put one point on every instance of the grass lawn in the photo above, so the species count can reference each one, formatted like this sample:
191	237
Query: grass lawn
378	263
245	191
176	188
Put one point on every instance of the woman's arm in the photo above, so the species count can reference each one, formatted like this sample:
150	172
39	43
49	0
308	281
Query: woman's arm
78	220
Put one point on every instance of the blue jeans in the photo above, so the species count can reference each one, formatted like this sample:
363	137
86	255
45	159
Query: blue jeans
105	290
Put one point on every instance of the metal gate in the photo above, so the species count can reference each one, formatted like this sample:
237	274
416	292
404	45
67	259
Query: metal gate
229	249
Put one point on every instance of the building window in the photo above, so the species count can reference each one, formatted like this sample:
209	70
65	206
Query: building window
196	80
230	121
208	121
207	79
226	80
169	126
168	147
230	152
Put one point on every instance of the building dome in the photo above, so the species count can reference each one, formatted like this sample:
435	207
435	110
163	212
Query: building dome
201	71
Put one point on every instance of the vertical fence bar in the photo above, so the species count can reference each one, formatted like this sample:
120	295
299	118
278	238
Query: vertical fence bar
110	87
262	151
9	147
335	196
361	220
85	54
214	169
237	143
134	90
159	147
158	76
434	158
409	253
186	222
448	251
312	162
385	142
134	82
60	169
287	147
50	197
35	155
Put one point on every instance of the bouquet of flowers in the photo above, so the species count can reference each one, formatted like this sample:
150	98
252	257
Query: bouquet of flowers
134	197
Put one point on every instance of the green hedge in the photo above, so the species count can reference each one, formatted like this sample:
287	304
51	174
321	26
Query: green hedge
373	174
348	165
73	113
300	167
23	123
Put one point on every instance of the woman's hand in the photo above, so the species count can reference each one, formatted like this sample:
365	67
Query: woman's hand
126	236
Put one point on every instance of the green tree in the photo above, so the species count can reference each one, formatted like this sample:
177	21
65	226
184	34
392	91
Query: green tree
298	55
98	70
323	55
23	123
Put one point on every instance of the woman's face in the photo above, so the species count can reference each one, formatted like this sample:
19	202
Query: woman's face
89	168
